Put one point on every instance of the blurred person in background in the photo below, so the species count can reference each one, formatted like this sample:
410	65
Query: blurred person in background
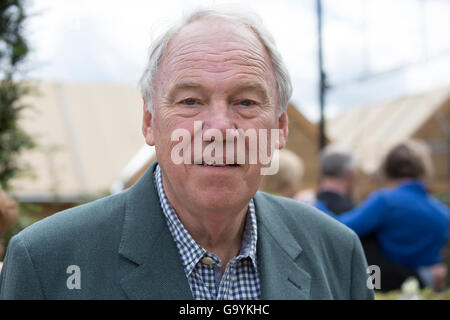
411	226
8	216
339	178
287	180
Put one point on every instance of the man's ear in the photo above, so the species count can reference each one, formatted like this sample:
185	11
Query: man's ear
284	130
147	128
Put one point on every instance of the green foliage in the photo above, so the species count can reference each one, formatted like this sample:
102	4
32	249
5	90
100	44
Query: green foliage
13	51
13	139
13	45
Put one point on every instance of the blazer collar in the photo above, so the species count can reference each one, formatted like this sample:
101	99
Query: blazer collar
278	255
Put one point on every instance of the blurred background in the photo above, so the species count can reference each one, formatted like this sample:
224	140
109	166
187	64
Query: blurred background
366	74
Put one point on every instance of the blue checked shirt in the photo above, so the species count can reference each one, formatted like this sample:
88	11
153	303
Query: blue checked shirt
240	280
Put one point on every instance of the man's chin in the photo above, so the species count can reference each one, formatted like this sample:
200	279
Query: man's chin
222	198
221	187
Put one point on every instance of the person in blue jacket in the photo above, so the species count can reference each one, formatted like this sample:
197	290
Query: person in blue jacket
411	226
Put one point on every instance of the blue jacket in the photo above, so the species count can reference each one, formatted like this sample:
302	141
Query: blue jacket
411	226
123	249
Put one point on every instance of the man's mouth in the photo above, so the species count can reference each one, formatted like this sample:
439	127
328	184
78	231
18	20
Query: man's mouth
216	164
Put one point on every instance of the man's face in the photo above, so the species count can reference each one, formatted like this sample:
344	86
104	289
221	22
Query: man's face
219	73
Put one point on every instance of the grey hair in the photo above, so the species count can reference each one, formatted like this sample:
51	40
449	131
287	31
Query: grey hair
252	21
336	161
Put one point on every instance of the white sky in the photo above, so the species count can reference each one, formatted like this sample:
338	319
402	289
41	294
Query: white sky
107	41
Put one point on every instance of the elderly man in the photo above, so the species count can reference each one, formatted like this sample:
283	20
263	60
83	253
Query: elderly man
195	229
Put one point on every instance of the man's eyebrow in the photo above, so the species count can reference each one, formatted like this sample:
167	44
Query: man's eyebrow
184	86
253	86
250	86
247	86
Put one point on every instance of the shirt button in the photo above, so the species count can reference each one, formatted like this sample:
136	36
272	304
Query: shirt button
207	260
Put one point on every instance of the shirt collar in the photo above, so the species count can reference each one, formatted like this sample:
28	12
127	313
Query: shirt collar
414	185
190	251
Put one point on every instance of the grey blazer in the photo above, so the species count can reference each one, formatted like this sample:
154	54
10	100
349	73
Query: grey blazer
122	248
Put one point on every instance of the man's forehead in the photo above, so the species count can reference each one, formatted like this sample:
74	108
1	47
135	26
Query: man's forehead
217	45
219	34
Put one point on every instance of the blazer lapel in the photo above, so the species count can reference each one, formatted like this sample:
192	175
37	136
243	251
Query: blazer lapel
278	255
157	271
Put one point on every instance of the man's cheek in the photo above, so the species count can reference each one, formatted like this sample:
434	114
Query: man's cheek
180	146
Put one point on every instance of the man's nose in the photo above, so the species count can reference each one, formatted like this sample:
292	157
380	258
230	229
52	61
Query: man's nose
220	117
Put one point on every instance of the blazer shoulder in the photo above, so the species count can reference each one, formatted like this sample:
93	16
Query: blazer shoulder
80	223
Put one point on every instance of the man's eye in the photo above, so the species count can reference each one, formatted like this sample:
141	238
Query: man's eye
247	103
189	101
